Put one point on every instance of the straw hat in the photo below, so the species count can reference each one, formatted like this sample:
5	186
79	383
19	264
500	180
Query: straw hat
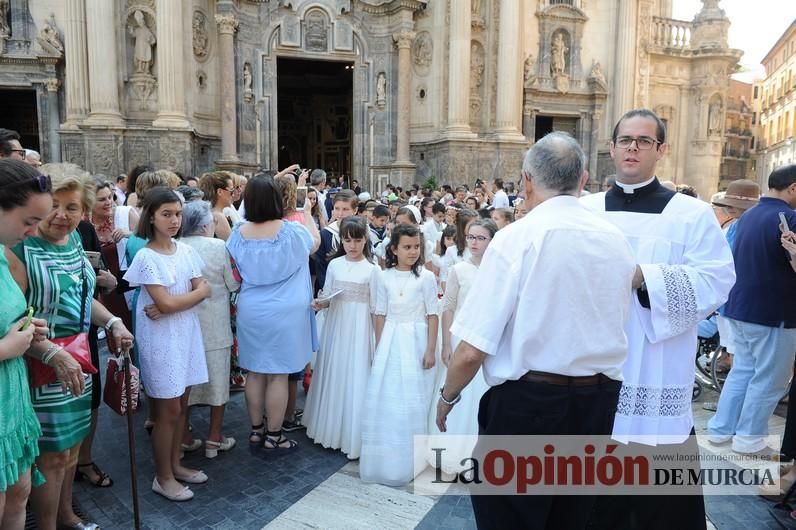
741	194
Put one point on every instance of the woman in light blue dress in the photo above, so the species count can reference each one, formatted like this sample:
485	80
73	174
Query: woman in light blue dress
275	321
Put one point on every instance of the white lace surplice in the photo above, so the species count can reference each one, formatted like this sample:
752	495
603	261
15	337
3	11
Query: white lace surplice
689	271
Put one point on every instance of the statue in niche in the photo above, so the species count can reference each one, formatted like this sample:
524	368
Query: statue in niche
49	39
476	66
200	38
381	89
5	31
475	8
558	55
144	40
597	74
714	118
528	75
248	93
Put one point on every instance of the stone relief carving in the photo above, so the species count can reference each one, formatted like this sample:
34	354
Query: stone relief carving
5	31
317	31
558	61
73	152
381	89
49	39
477	65
643	58
201	39
476	16
529	72
597	75
248	93
422	52
144	40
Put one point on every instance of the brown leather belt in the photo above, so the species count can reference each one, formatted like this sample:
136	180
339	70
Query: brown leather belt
564	380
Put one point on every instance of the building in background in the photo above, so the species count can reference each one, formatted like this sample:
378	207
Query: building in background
382	90
738	149
775	104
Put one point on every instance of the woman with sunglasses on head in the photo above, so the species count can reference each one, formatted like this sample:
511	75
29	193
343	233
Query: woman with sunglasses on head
24	201
219	192
53	271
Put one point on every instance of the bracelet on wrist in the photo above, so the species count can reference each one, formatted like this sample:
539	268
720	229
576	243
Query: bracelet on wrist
111	321
453	401
50	353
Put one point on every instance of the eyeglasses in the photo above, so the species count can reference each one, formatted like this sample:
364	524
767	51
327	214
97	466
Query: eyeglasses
42	181
643	143
480	239
21	152
228	190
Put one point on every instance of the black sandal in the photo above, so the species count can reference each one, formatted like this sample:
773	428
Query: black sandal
256	436
275	441
105	480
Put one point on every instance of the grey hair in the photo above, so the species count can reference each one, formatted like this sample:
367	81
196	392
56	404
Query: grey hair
556	163
195	216
317	177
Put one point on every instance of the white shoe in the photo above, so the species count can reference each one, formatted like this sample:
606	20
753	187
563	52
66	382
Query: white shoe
185	494
212	448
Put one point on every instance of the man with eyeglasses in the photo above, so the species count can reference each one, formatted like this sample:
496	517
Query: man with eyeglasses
685	271
10	146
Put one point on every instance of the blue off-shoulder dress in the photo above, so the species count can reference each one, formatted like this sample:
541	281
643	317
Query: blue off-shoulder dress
275	321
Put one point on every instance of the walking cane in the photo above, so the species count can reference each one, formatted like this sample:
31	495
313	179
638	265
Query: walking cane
131	439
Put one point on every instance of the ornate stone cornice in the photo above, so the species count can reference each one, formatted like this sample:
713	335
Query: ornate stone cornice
52	85
404	39
389	7
227	23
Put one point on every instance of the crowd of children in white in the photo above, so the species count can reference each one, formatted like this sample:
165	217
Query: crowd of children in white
385	278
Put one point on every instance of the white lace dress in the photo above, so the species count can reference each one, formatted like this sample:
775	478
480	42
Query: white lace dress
333	412
171	352
399	390
463	418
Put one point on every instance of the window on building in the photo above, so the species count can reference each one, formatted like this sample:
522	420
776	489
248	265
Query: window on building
755	92
754	118
562	2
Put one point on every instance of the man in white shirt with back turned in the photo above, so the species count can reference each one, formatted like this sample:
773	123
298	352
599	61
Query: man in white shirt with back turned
551	342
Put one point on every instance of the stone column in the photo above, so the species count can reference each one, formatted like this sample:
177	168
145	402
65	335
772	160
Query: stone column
459	71
76	63
171	76
404	42
53	121
509	72
625	59
227	25
102	64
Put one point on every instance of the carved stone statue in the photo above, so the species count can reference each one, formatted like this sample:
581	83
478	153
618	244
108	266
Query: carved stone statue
423	50
200	38
4	29
558	55
248	93
144	40
528	74
381	89
714	118
49	39
597	74
476	66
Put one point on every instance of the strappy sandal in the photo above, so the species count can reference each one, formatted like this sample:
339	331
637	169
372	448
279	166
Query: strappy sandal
256	435
275	441
104	481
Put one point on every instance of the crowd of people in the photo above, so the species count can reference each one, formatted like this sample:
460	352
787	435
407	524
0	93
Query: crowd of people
376	302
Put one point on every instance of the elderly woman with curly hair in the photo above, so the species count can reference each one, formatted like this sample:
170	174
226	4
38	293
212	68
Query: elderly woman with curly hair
52	270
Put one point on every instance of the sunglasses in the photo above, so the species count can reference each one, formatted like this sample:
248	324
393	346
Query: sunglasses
42	181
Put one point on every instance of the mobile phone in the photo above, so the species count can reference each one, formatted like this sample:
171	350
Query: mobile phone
301	197
28	319
94	258
784	222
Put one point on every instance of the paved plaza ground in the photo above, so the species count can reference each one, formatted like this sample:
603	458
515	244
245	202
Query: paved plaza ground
309	488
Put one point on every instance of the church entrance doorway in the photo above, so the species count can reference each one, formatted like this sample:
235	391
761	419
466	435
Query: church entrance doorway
20	113
314	114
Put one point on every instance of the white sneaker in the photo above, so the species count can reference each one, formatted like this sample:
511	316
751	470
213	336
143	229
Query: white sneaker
212	448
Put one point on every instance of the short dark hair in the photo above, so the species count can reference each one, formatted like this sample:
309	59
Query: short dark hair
660	127
262	199
499	183
782	177
153	199
438	208
391	260
6	137
381	211
346	196
17	183
426	201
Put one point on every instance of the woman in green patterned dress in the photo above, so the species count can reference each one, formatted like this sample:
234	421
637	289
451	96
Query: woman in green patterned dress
24	201
58	280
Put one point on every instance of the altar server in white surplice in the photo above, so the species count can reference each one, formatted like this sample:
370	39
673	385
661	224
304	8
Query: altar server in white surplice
685	272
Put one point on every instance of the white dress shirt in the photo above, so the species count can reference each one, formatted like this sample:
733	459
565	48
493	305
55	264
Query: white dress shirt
553	296
500	200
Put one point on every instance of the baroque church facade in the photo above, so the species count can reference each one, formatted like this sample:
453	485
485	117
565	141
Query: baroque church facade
379	90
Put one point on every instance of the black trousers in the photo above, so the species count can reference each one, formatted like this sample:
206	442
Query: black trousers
531	408
652	512
788	450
